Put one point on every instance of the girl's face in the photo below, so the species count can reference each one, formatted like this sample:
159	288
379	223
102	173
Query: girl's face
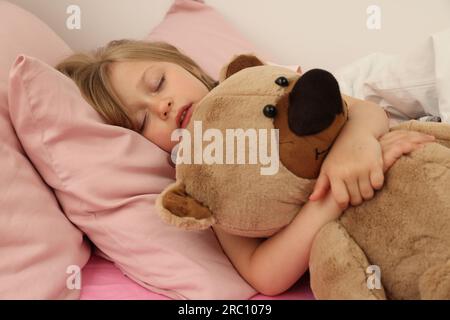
158	96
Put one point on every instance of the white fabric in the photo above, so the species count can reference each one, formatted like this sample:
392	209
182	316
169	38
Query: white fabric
411	86
441	42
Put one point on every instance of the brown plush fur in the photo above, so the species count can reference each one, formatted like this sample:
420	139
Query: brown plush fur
404	230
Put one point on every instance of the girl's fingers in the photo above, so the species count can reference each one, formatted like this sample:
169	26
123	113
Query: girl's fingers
388	162
353	190
402	135
422	137
393	136
392	152
417	137
340	193
377	178
321	187
366	188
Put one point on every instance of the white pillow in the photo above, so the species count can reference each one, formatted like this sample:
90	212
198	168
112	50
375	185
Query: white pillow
404	85
441	46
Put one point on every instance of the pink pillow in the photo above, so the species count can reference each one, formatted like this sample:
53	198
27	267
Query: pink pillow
107	179
38	244
203	34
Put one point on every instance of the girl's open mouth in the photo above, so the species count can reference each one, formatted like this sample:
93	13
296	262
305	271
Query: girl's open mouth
185	116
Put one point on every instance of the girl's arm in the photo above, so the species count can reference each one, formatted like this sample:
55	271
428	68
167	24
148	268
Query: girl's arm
354	166
273	265
367	116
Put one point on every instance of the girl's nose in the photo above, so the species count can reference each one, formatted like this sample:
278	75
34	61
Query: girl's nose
164	107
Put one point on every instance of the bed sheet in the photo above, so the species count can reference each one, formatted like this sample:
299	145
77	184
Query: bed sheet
103	281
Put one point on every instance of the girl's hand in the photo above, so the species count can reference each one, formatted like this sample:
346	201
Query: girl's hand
353	169
393	145
399	142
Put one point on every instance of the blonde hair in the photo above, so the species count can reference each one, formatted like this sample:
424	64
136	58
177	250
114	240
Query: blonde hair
90	72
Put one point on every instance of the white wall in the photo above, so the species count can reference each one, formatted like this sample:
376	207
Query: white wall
101	20
319	33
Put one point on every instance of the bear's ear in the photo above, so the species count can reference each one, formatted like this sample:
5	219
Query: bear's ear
238	63
178	208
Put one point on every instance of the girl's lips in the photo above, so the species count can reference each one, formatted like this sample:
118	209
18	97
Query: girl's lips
187	117
180	114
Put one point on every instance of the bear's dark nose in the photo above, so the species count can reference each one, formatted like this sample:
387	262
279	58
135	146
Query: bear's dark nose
314	102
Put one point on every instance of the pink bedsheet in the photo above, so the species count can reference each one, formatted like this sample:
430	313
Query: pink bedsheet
103	281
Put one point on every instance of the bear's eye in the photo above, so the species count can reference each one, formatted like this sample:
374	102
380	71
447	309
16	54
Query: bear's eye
282	81
270	111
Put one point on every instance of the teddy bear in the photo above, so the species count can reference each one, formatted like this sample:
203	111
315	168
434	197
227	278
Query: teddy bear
247	163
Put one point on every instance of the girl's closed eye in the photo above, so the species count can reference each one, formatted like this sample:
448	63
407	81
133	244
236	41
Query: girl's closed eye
157	87
159	84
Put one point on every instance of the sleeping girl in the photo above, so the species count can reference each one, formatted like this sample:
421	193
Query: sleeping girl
151	87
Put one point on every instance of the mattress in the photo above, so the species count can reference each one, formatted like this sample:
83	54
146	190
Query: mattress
103	281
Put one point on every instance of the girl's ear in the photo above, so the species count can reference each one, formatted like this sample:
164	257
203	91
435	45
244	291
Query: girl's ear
238	63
